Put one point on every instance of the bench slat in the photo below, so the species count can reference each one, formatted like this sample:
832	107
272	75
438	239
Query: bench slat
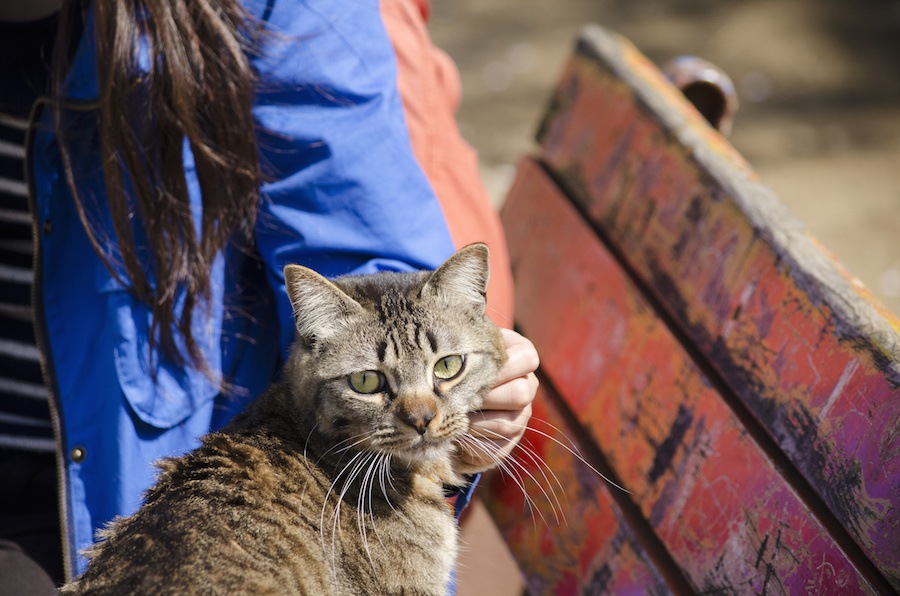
571	538
799	341
725	514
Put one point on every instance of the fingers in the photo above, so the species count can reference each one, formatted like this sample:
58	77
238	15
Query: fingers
512	395
496	433
516	381
506	410
500	425
487	445
522	357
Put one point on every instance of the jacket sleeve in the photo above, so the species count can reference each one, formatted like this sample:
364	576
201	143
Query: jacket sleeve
343	192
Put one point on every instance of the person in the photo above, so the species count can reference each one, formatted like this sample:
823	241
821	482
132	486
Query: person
177	156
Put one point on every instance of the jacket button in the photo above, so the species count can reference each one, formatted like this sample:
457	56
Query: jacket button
78	454
48	227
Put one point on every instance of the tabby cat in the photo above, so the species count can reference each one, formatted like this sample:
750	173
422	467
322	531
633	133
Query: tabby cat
332	482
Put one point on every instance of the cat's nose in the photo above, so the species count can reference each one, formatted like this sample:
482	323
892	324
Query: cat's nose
418	421
417	411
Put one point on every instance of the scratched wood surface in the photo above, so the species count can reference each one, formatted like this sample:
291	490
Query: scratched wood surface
728	519
569	535
809	361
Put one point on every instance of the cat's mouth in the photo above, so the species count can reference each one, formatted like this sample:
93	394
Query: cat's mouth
424	448
410	445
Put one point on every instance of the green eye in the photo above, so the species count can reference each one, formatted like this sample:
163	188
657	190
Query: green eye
367	381
448	367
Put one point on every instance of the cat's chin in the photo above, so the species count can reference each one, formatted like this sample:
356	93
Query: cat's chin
425	452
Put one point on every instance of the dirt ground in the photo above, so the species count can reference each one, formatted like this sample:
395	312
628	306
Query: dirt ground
819	87
818	82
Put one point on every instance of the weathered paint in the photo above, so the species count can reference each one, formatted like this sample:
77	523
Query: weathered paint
794	336
724	512
567	533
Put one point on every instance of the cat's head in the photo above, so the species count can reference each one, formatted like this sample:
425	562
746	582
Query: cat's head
394	362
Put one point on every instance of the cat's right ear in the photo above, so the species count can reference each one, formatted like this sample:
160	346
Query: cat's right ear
463	278
321	309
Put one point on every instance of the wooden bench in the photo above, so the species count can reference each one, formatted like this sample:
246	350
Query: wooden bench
701	350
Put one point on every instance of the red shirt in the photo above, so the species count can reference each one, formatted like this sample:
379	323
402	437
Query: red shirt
430	89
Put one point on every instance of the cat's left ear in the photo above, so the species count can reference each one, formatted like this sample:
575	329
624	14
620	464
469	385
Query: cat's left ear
462	277
321	308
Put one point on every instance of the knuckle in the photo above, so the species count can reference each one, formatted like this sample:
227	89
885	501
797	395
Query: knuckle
521	393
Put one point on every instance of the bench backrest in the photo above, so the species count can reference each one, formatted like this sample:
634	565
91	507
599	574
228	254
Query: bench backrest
702	351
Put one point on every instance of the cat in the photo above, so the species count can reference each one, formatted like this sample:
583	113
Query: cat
332	481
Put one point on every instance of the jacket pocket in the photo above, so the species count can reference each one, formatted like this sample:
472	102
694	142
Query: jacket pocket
160	392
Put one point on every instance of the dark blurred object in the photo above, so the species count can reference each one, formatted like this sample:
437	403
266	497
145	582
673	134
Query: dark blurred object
707	87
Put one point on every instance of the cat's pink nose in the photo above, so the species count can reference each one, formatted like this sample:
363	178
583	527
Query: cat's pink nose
418	421
417	411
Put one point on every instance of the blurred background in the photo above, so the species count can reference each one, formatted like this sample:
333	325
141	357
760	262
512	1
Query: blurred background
818	83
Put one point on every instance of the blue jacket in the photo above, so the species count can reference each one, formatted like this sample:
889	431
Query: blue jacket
343	194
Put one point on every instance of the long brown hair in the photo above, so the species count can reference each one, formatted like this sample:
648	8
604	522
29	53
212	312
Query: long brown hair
196	85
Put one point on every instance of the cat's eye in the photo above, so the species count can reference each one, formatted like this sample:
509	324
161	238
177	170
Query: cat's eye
448	367
367	381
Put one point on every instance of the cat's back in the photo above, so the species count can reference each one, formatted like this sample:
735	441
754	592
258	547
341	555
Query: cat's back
226	518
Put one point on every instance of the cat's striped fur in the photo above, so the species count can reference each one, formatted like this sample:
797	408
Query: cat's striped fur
319	488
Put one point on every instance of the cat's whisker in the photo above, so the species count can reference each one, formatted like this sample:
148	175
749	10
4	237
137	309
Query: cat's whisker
337	508
546	423
308	437
376	470
515	469
336	522
511	471
390	477
573	450
525	449
369	485
362	439
386	472
492	451
500	316
366	463
543	467
366	490
361	498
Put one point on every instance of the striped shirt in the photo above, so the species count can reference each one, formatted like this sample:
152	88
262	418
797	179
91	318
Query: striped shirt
24	410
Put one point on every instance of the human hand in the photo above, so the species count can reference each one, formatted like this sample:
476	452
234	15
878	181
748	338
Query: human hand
496	429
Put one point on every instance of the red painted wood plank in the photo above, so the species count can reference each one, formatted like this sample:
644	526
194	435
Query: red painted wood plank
801	343
724	512
565	531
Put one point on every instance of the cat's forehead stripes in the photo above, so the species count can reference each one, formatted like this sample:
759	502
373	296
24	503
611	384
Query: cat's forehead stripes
408	338
389	307
412	343
405	324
